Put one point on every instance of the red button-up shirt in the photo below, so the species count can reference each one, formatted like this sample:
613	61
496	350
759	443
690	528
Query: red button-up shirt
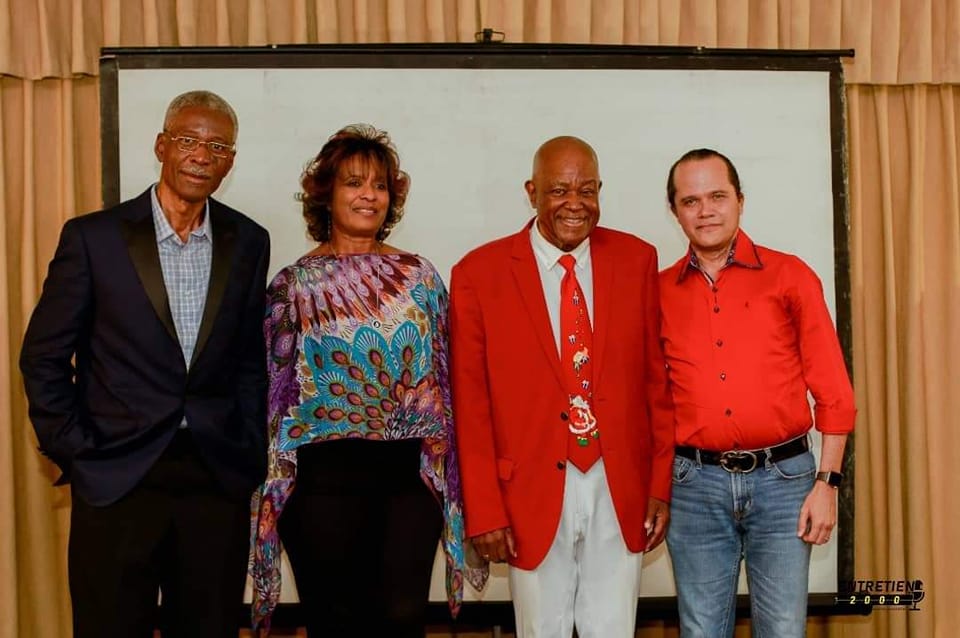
743	351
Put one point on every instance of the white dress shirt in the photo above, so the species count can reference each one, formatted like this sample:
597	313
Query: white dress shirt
551	274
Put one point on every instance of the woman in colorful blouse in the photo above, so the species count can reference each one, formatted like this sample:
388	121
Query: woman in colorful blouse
362	478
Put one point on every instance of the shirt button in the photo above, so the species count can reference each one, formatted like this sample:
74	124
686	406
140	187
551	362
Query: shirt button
563	416
714	289
716	308
728	412
723	376
560	465
719	343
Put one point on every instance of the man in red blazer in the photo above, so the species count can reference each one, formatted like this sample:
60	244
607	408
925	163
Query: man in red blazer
564	420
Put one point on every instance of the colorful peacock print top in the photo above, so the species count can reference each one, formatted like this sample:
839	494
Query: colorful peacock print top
357	347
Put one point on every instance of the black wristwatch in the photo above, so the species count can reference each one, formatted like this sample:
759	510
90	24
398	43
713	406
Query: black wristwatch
833	479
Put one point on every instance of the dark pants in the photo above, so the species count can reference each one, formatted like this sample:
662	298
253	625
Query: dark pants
176	533
361	531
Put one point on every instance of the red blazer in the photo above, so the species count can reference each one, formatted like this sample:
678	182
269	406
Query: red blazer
508	390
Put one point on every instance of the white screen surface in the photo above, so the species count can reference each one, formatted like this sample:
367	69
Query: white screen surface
467	138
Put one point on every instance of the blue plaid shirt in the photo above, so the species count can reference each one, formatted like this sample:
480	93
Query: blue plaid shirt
186	273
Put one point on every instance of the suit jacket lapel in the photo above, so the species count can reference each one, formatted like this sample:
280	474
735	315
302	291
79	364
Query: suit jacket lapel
527	277
141	238
224	232
603	270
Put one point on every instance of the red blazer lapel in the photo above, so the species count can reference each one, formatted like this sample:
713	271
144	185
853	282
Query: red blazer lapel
530	288
603	269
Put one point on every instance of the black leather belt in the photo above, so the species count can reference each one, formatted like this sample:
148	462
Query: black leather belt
742	461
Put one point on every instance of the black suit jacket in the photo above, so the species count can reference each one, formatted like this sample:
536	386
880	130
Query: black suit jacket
103	368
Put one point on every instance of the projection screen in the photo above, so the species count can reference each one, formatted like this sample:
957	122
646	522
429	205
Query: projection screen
467	119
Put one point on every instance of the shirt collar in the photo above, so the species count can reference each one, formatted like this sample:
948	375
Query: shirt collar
743	252
162	225
548	254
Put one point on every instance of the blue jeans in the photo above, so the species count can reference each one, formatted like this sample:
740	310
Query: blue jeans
717	518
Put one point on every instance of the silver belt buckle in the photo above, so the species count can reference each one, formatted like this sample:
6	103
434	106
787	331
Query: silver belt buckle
729	461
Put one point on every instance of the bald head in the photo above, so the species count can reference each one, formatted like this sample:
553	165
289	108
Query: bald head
562	145
565	190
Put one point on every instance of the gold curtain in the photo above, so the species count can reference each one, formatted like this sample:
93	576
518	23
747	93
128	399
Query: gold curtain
903	110
48	173
904	176
897	41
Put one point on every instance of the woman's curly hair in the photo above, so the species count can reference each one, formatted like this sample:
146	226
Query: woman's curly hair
361	141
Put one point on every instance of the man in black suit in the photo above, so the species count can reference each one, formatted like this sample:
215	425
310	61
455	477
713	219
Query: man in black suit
144	368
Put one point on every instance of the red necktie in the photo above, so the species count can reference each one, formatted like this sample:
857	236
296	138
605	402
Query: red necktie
576	351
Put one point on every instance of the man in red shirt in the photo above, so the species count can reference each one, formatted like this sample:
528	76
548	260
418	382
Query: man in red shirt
746	334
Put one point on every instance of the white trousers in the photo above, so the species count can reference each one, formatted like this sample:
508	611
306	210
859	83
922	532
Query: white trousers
589	579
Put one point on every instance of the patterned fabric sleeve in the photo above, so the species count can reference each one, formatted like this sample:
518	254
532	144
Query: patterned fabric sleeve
455	544
281	327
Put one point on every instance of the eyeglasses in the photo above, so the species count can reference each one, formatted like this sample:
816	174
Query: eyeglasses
189	144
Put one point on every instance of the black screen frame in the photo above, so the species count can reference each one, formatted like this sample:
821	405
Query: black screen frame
499	55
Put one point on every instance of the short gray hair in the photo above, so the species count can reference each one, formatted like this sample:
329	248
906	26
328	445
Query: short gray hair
204	99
